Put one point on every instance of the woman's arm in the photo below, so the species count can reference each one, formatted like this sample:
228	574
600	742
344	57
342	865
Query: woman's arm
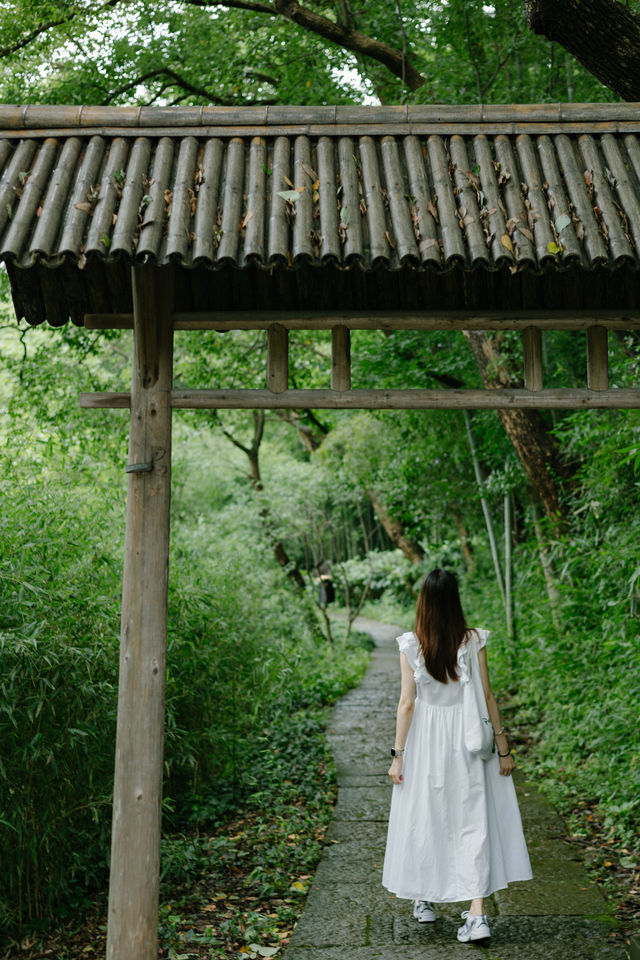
506	760
403	716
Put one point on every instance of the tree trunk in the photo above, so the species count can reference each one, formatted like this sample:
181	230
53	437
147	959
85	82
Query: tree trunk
253	453
395	530
536	447
310	438
485	508
465	544
604	35
547	569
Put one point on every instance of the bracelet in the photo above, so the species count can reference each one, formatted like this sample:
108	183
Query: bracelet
498	733
507	754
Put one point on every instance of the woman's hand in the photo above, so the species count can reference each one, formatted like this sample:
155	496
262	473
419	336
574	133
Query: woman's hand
395	770
507	765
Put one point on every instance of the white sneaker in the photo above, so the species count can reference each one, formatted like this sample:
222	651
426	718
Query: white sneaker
423	911
474	928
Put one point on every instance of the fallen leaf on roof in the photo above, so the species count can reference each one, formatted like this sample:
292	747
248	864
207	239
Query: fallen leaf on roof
505	240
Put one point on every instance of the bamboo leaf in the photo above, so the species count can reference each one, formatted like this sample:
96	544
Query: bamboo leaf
505	240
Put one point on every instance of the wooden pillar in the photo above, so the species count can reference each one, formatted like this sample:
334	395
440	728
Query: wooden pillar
597	359
532	346
135	846
277	358
340	358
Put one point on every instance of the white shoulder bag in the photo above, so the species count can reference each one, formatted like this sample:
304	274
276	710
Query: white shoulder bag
478	729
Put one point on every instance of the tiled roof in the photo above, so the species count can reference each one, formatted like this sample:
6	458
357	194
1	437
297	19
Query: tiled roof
433	190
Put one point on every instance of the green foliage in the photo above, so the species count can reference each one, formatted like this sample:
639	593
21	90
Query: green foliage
188	52
390	576
244	673
576	691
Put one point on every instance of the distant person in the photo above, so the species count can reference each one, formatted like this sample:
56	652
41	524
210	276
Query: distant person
454	829
326	590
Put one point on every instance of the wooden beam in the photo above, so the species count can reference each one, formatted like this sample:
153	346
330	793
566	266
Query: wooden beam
104	401
405	399
277	358
383	320
340	358
532	346
597	359
618	399
135	846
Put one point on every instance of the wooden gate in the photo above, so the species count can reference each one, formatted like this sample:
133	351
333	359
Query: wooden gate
330	218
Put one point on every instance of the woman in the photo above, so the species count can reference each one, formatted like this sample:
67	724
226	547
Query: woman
454	828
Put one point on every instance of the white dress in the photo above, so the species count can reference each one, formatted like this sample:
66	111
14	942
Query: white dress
454	829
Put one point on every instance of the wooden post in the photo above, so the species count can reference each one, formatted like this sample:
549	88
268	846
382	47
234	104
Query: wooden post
597	359
340	358
277	358
532	346
135	846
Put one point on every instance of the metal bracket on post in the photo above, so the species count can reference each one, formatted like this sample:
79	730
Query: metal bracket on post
138	468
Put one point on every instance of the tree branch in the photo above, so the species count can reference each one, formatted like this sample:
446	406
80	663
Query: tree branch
258	430
342	34
254	5
233	440
310	438
26	40
351	39
44	27
603	35
489	83
173	76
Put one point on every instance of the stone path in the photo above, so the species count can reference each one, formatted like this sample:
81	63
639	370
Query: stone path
558	915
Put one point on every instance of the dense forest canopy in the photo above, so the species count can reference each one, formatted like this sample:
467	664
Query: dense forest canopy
257	52
263	501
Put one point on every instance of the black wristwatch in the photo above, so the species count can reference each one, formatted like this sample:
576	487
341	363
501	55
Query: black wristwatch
397	753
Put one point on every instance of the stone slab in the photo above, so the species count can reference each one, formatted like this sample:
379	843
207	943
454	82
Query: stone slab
346	900
538	939
348	768
319	931
363	803
542	830
454	951
554	938
354	850
370	831
557	869
546	848
549	898
355	779
366	870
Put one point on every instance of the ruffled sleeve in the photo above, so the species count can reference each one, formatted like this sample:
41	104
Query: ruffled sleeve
477	636
408	644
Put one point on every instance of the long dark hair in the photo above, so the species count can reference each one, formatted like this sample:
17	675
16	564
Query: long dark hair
440	624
